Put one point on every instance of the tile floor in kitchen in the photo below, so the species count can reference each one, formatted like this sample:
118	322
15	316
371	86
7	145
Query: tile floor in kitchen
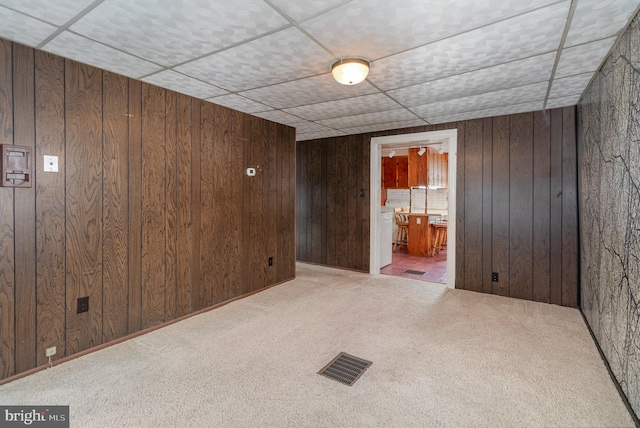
435	267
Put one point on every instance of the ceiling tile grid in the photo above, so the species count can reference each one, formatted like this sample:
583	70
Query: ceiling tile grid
72	46
22	28
184	84
444	61
240	103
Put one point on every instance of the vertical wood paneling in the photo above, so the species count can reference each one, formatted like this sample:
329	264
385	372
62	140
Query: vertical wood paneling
500	207
487	202
7	254
153	205
460	202
473	207
135	206
172	205
541	207
365	209
234	224
207	244
303	220
196	135
315	238
521	206
121	222
83	129
50	206
222	196
569	209
116	208
184	249
270	202
25	200
555	269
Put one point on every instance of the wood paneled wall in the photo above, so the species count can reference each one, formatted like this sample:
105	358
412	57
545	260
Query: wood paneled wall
516	204
150	215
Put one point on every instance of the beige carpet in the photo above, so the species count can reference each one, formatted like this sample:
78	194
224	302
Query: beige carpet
440	358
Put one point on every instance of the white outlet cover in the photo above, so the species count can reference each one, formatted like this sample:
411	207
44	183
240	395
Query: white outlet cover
50	163
50	352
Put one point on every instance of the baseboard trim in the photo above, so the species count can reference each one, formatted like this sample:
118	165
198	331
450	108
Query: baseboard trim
331	266
136	334
625	400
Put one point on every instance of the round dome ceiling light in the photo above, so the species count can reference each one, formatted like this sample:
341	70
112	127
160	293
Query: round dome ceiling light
350	71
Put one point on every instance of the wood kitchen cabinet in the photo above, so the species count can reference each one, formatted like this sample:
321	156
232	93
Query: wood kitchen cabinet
395	172
438	169
418	168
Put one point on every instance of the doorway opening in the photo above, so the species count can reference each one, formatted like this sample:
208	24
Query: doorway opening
420	217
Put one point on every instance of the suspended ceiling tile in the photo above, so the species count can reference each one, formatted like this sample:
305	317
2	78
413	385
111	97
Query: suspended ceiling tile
314	89
487	100
503	76
491	112
170	32
23	29
376	28
369	118
302	9
322	134
75	47
384	126
567	101
309	127
184	84
239	103
516	38
279	117
569	86
56	12
597	19
583	58
347	107
276	58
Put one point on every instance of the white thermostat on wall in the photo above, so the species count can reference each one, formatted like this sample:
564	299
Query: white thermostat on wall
251	172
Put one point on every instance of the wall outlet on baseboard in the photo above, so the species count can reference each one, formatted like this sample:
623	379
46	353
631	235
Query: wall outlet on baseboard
270	261
494	276
50	352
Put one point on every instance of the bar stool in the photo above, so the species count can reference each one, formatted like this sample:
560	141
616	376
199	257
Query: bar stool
402	235
439	232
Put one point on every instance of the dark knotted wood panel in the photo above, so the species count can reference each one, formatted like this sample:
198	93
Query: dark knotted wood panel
555	250
184	214
50	207
116	206
569	209
196	197
7	239
83	130
270	186
487	203
25	200
521	206
500	207
153	206
235	223
134	314
460	201
171	230
473	206
541	207
221	182
207	242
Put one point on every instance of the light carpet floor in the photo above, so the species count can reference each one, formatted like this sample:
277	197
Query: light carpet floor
440	358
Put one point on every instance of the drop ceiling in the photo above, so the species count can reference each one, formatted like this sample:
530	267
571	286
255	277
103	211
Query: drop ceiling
431	61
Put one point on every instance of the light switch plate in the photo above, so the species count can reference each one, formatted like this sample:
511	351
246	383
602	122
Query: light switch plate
418	220
50	163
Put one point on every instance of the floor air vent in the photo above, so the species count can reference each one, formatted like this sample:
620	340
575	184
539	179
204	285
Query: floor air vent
414	272
345	368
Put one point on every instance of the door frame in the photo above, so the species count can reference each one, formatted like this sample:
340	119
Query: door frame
376	189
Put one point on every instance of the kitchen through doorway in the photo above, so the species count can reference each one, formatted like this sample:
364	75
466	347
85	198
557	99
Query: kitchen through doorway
413	206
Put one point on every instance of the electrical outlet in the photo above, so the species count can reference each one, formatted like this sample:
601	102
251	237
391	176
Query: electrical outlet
270	261
50	352
494	276
83	304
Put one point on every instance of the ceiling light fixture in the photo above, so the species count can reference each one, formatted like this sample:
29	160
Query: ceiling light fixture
421	151
440	149
392	153
350	71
